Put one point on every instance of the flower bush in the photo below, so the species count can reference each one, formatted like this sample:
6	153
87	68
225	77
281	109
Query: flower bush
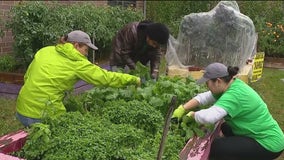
271	39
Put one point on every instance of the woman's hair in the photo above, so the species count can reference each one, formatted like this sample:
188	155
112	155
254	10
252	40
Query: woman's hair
232	72
64	38
158	32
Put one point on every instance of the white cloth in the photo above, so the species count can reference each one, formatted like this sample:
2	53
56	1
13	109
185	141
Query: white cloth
210	115
205	98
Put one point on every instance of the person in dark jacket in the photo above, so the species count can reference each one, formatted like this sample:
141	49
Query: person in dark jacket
139	41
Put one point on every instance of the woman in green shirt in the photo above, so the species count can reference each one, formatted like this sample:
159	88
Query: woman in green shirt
250	132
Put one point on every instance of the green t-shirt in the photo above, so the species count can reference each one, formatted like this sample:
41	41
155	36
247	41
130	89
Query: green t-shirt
249	116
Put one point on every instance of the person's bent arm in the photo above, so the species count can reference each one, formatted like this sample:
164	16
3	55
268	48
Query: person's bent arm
201	99
210	115
155	63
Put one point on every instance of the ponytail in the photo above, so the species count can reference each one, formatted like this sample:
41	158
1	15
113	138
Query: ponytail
63	39
232	72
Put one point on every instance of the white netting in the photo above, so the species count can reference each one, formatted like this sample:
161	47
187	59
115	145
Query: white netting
221	35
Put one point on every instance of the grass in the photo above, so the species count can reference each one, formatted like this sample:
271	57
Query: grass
270	87
8	121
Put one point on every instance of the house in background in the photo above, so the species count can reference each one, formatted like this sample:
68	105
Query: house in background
6	42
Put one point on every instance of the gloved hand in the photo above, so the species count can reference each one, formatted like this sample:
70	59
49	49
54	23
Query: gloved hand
179	112
155	75
139	81
188	119
190	114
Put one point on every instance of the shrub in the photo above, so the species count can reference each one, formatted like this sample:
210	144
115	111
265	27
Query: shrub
7	63
172	12
36	24
271	38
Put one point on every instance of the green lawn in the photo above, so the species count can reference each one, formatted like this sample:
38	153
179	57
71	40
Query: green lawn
270	87
8	121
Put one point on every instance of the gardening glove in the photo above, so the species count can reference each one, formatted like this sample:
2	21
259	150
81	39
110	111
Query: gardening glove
187	120
190	115
155	75
139	82
179	112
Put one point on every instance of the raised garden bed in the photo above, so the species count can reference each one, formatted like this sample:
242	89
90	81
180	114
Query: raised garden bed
12	78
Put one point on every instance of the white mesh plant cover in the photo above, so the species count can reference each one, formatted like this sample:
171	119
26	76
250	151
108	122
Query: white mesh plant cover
221	35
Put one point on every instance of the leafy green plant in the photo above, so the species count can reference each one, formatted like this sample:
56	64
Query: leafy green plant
76	136
271	38
137	113
172	12
118	123
7	63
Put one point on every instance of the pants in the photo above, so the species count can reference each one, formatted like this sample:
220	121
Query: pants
26	121
232	147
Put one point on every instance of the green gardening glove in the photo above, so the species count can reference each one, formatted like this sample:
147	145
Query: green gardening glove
190	116
179	112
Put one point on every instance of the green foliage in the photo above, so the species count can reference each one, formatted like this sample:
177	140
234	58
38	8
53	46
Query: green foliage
75	136
268	20
118	123
8	121
157	94
137	113
141	71
75	103
270	10
271	89
271	40
7	63
172	12
37	24
77	131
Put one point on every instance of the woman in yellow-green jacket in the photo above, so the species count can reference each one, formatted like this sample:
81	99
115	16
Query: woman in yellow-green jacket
56	69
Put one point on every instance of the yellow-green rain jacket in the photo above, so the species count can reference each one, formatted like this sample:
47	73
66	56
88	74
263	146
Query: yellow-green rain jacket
56	69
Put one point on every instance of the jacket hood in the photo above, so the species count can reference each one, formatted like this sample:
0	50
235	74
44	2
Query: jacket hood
69	51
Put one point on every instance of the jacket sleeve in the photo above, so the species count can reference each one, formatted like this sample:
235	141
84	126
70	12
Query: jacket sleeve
95	75
127	60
